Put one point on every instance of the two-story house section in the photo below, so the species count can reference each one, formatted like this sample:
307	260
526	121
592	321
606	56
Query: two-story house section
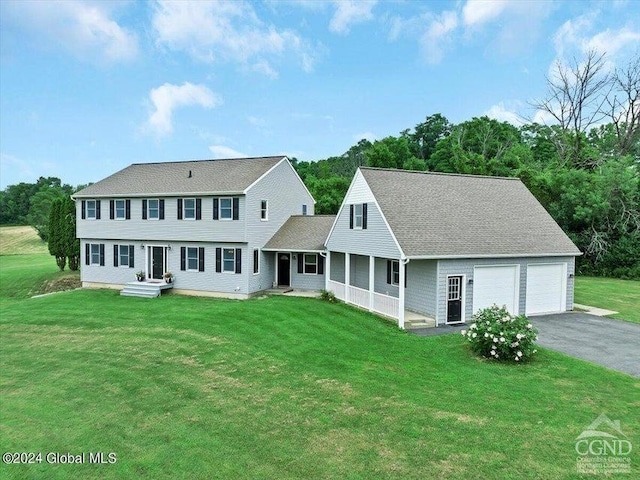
204	221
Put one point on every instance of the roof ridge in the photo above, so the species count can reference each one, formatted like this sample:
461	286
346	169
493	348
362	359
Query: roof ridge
444	174
271	157
312	216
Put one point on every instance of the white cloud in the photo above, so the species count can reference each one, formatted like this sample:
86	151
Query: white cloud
84	28
222	151
256	121
168	97
438	34
365	135
213	31
477	12
502	114
350	12
611	41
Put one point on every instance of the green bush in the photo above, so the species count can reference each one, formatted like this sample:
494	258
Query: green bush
498	335
328	296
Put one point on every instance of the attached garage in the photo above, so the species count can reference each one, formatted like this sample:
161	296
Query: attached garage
546	288
496	284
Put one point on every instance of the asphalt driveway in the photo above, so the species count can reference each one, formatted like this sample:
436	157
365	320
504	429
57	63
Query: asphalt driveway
612	343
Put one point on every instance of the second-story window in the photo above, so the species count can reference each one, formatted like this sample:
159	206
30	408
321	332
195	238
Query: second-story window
226	208
91	209
189	209
120	210
153	209
358	216
304	209
264	210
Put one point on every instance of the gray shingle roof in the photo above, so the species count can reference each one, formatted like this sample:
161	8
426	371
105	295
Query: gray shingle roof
302	233
465	215
172	178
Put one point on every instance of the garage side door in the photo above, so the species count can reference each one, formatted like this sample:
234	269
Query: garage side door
496	284
546	288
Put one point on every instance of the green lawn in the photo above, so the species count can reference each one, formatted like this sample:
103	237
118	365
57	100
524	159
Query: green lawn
184	387
622	296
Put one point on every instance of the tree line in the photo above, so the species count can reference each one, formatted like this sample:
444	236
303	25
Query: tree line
584	167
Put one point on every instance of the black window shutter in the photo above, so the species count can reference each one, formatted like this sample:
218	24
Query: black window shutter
98	202
183	258
351	217
131	250
111	209
238	260
144	209
236	208
179	209
364	216
201	259
301	263
161	208
84	209
389	271
115	255
215	208
320	265
102	254
127	207
87	247
198	209
218	260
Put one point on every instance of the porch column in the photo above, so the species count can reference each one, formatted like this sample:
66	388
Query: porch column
401	269
327	270
347	275
372	273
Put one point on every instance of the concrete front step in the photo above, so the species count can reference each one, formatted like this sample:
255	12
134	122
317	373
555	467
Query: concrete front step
419	323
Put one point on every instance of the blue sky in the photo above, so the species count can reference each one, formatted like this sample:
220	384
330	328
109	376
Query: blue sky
87	88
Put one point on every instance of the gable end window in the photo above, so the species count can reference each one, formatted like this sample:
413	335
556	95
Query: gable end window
123	256
192	259
229	260
358	216
310	264
264	210
189	209
120	209
153	209
91	209
226	208
94	254
304	209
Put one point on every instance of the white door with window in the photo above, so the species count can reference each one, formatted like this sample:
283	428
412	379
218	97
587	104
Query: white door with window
546	288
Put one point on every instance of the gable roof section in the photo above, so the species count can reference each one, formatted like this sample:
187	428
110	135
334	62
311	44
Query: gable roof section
301	233
437	215
232	176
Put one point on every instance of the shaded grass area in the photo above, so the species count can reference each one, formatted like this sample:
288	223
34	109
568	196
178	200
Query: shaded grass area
622	296
20	240
183	387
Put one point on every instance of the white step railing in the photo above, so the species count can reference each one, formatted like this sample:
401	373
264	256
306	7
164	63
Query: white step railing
384	304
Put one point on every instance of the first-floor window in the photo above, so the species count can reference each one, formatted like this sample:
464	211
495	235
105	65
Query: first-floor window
123	256
256	261
192	258
393	272
229	260
94	254
310	263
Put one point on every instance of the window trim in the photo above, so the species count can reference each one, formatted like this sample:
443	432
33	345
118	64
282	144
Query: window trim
314	264
256	261
95	209
184	208
264	210
91	254
149	217
120	264
220	217
115	209
356	216
224	251
197	259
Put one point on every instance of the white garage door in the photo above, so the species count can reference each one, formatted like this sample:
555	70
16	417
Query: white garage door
496	284
546	288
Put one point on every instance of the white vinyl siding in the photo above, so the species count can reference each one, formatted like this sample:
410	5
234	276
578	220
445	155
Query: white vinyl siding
192	259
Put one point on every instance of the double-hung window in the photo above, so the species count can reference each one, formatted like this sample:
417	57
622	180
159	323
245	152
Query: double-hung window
189	209
226	209
357	216
153	209
123	255
311	263
229	260
121	212
192	259
264	210
91	209
95	254
395	272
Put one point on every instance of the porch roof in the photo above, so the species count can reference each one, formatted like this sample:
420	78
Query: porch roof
450	215
301	233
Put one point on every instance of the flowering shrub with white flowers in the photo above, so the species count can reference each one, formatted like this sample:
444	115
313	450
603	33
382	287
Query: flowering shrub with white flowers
498	335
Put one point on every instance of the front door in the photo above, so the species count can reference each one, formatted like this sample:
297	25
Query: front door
454	299
284	269
157	262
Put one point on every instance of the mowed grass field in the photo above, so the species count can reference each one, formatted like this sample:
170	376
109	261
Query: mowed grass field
622	296
279	387
21	240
